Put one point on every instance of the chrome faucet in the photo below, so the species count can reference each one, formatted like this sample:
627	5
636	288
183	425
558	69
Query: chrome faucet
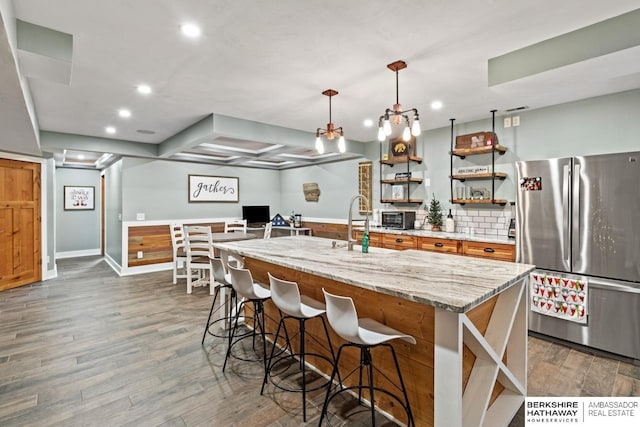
350	241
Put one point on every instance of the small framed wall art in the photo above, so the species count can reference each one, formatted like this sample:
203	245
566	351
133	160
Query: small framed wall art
79	198
205	188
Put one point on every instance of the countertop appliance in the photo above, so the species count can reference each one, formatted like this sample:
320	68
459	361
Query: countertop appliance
579	218
402	220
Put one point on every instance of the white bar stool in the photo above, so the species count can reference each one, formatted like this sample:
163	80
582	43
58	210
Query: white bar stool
222	279
248	292
364	334
286	297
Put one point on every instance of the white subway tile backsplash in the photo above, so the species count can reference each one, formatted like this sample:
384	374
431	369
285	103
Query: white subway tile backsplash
491	232
502	232
491	219
472	212
485	213
502	220
479	219
497	213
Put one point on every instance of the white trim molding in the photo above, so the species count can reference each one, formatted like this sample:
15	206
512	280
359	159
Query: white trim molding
75	254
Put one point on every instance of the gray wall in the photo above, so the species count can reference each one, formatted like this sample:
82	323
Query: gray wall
77	230
113	208
158	188
338	182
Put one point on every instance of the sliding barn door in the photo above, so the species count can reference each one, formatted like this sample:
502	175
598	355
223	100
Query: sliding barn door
20	261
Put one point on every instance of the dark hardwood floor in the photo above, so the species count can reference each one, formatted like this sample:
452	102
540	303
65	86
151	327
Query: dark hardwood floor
91	348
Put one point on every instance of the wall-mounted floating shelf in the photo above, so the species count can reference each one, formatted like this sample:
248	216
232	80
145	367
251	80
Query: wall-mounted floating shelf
401	201
401	180
401	159
488	175
493	176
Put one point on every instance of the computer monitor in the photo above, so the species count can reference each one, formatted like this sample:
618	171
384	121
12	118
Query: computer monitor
256	214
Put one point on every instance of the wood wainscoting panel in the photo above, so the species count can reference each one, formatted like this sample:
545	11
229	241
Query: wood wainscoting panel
155	243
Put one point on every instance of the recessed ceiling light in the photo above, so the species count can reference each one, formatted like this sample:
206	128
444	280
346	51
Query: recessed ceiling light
190	30
80	156
144	89
436	105
110	130
368	123
123	112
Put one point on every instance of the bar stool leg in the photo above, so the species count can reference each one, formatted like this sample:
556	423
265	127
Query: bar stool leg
206	328
304	371
367	361
232	332
333	354
410	421
325	406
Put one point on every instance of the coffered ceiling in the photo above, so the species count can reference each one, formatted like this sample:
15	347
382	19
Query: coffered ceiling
267	63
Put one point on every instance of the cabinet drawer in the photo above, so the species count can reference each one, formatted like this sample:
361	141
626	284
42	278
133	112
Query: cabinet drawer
490	250
399	242
439	245
375	239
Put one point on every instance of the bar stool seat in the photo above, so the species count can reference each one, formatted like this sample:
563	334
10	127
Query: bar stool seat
286	297
364	334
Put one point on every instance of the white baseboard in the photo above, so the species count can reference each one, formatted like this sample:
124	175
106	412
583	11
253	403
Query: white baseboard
114	265
51	274
151	268
75	254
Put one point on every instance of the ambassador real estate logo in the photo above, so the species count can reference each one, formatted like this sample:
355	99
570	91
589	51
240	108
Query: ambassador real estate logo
582	411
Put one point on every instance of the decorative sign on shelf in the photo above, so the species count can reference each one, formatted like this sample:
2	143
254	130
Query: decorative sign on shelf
204	188
558	296
402	175
471	170
78	198
400	148
397	192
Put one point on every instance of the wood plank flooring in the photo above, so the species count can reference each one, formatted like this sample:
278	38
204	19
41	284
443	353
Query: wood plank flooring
91	348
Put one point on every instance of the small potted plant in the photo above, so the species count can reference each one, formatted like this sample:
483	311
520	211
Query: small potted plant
434	214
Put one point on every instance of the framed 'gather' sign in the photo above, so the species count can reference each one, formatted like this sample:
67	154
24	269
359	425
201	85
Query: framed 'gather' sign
78	198
205	188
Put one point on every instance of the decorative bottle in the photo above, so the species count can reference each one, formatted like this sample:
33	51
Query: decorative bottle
449	224
365	242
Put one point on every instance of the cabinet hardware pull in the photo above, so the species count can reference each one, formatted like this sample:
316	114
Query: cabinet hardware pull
398	240
490	250
438	245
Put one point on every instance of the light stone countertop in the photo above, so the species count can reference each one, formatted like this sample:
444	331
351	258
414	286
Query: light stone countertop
452	282
443	235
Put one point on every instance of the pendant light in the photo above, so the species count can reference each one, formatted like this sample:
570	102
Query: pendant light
331	131
397	114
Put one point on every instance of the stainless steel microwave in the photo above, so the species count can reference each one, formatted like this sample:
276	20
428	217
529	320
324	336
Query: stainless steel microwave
402	220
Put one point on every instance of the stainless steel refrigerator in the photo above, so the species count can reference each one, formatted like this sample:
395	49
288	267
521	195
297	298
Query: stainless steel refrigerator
580	217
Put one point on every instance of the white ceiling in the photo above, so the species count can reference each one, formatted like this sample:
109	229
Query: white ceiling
269	61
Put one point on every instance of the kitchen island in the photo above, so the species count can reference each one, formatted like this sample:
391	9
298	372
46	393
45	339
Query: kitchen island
468	317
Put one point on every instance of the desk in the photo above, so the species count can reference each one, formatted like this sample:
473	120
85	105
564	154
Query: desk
297	230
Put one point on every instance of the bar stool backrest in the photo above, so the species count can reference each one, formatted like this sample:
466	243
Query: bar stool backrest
342	316
239	225
286	296
242	282
219	273
267	230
